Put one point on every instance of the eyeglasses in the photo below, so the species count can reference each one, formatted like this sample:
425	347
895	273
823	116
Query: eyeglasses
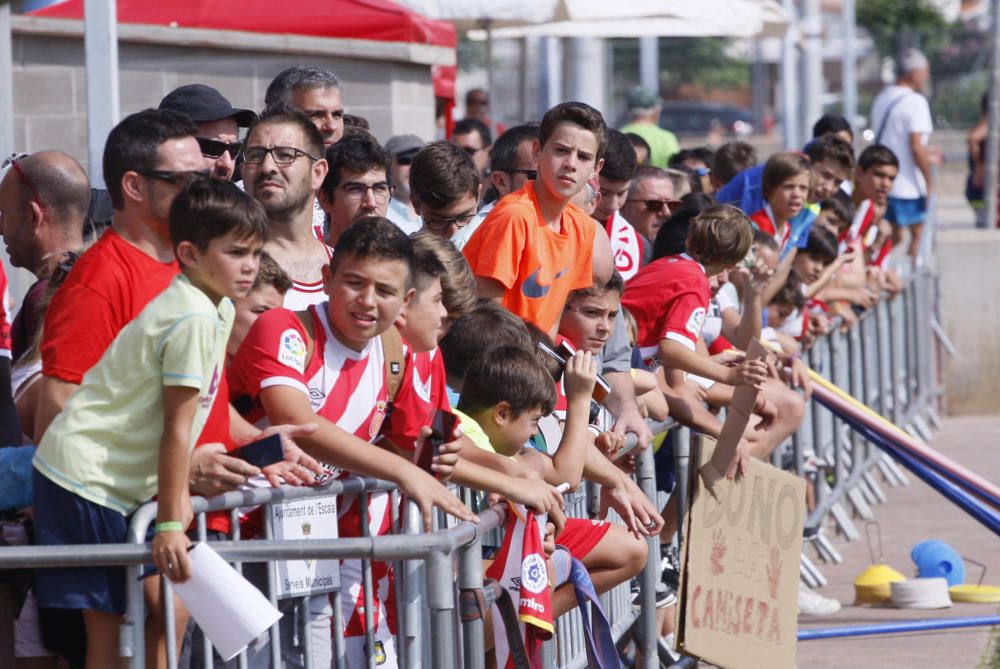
478	101
530	174
282	155
356	191
11	161
471	150
179	177
444	223
213	148
656	206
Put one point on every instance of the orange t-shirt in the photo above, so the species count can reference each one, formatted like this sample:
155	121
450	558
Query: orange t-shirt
539	267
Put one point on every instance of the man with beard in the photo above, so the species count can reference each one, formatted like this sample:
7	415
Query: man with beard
283	169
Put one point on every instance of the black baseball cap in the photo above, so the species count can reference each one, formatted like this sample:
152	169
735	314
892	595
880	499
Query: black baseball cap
203	103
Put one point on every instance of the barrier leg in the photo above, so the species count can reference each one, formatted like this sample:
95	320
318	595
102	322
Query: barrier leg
441	600
413	601
650	575
132	637
470	588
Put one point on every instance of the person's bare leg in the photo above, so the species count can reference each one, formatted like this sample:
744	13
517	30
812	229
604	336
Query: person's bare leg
102	640
916	231
616	558
156	648
791	409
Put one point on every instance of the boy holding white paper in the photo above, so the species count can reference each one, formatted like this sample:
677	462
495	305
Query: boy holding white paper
99	459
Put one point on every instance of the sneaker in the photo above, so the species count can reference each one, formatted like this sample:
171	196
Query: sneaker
812	603
665	596
670	567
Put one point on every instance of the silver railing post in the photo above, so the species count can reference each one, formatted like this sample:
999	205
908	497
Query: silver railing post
645	474
470	589
441	601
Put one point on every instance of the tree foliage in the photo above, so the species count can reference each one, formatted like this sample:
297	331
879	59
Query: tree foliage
898	24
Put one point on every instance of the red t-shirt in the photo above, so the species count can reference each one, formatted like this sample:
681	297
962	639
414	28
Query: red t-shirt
625	245
538	266
107	288
669	300
5	311
216	431
421	392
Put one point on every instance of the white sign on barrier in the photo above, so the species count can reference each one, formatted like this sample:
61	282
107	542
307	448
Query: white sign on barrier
313	518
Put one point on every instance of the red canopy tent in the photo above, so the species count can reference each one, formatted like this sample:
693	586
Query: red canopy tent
380	20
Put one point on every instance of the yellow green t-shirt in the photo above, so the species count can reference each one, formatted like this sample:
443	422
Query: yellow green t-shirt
472	430
662	143
105	444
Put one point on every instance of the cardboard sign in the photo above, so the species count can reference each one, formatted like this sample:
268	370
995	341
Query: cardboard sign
740	567
312	518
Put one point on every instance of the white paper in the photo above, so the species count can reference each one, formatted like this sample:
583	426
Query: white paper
230	610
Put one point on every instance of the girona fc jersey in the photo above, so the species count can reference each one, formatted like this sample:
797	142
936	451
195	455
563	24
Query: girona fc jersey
421	393
344	386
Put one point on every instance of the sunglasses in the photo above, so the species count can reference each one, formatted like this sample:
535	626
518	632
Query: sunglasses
11	161
656	206
213	148
179	177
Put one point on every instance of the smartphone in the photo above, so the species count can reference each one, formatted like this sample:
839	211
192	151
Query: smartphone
601	388
442	429
262	452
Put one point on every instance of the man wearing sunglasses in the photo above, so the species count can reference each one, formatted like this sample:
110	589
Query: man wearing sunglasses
148	159
648	204
218	124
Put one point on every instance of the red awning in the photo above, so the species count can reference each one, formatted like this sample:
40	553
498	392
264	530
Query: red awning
380	20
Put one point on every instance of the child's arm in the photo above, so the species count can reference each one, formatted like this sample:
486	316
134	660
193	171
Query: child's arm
578	381
676	355
489	288
334	446
827	275
170	545
780	277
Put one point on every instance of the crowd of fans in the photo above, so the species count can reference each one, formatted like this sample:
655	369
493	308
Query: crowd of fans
302	279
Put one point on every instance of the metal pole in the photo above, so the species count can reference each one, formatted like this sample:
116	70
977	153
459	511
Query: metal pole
6	82
413	600
849	64
100	39
896	628
649	63
789	80
441	601
812	88
993	139
587	80
645	475
470	583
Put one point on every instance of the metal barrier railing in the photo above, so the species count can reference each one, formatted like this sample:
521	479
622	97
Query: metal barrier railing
886	361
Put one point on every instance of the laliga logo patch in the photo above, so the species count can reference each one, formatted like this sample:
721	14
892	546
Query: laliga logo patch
377	419
696	320
534	576
292	350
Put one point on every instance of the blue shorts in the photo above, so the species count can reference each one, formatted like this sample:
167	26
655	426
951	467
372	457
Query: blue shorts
906	211
63	518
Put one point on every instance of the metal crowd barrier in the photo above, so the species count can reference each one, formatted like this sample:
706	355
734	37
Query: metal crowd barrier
887	361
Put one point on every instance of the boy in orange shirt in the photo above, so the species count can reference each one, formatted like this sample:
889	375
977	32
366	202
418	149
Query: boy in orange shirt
535	247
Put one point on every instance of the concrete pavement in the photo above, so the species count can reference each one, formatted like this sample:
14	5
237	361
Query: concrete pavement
912	514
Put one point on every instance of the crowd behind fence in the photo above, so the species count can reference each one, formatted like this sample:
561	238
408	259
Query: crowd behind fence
887	360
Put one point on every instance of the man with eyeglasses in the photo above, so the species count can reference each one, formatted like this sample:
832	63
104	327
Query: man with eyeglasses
283	168
648	204
401	211
218	124
43	202
356	184
512	165
444	188
148	158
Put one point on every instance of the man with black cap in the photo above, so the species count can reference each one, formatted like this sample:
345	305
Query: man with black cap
218	124
401	211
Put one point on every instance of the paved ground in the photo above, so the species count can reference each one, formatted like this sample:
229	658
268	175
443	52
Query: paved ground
914	513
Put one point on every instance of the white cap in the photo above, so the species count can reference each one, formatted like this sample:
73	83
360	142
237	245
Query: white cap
912	60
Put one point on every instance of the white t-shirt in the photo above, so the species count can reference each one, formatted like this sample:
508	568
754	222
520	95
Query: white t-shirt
911	114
